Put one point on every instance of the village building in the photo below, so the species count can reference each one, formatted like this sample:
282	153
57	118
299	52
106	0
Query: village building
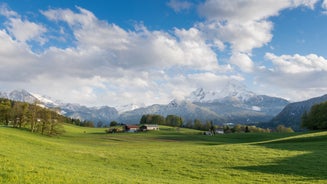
146	127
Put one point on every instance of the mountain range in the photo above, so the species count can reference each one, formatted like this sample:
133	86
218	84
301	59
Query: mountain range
232	104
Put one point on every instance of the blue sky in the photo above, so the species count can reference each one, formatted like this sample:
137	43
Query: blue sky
145	52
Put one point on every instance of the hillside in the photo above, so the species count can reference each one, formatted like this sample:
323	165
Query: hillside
291	115
86	155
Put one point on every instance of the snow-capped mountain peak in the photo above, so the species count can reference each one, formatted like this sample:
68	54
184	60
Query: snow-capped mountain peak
230	91
22	95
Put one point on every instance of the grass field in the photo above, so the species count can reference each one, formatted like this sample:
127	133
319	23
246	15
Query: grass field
86	155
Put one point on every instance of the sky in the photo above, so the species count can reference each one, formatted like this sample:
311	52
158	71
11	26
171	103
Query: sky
147	52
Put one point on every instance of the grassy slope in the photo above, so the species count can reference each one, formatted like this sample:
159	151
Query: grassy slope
85	155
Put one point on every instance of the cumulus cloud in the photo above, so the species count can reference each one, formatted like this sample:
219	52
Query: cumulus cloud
141	48
106	59
244	25
109	65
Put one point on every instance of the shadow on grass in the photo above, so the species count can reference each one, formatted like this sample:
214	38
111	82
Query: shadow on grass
312	164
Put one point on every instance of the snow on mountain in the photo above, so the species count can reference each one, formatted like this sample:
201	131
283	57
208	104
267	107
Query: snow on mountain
185	109
103	114
128	107
230	91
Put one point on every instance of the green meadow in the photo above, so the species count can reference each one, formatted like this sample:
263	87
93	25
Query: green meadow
89	155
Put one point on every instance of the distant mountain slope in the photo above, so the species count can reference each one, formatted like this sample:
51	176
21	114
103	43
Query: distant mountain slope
185	109
19	95
292	113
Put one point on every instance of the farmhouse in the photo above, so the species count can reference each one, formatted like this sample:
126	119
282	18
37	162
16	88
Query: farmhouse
146	127
131	128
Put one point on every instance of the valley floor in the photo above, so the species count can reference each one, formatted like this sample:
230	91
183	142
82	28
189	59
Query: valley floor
86	155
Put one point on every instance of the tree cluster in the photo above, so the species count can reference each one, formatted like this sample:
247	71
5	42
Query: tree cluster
316	118
78	122
283	129
245	128
199	125
30	116
169	120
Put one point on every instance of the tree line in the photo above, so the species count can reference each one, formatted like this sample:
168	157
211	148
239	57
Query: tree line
169	120
176	121
84	123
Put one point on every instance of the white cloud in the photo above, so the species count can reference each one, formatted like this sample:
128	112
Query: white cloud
241	11
178	5
243	61
88	30
17	60
6	12
245	36
22	30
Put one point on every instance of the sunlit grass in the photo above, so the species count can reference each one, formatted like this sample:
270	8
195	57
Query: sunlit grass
88	155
